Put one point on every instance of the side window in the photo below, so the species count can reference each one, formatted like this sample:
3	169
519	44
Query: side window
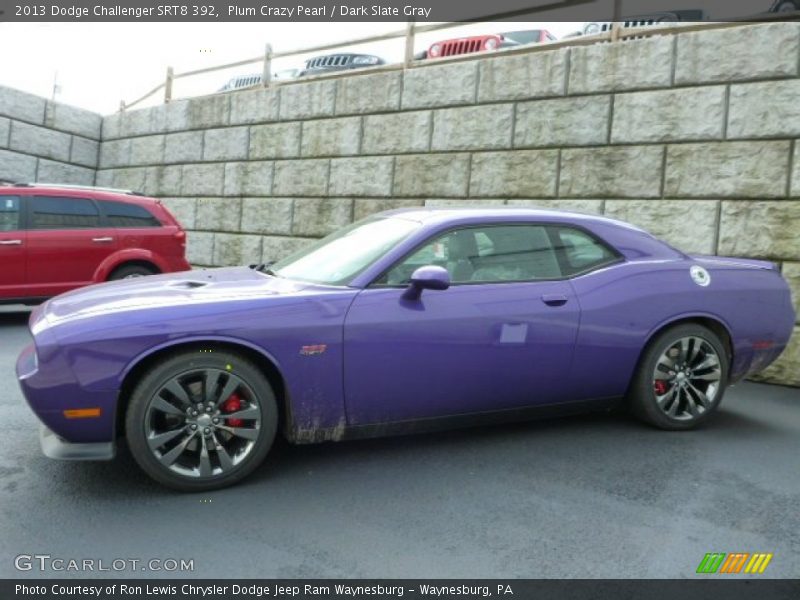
581	251
9	213
491	254
48	212
120	214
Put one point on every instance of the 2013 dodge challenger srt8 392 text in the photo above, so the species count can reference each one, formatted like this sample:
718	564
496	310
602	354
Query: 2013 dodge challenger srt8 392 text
408	320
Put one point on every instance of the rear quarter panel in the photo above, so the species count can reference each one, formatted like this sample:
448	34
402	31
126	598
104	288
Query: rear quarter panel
625	305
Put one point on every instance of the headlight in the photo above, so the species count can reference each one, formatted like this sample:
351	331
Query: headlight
591	28
365	60
491	44
435	50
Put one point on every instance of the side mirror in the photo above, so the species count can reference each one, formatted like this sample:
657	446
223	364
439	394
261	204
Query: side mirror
430	277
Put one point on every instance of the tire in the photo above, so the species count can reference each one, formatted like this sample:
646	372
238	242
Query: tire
671	397
129	272
786	6
168	430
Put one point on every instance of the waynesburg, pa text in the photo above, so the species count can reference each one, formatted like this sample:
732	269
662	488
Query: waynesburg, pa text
255	590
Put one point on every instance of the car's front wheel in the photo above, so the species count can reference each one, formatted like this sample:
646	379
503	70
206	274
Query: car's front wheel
680	379
201	420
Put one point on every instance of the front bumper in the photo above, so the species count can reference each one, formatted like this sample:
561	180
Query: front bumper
58	448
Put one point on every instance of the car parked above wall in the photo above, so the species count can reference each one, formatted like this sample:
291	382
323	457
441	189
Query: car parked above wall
57	238
654	19
343	61
484	43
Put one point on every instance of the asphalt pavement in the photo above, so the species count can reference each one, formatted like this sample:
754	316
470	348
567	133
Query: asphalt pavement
588	496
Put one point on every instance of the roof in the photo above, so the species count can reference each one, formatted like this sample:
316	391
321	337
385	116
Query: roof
75	191
438	214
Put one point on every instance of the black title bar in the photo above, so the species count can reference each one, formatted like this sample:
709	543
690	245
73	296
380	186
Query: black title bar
374	10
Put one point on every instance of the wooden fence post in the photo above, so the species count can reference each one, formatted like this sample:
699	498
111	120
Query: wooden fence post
409	53
168	85
266	75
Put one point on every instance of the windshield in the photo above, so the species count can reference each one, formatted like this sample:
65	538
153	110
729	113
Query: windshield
338	258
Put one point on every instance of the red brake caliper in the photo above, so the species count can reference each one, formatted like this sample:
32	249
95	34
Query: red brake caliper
660	387
231	405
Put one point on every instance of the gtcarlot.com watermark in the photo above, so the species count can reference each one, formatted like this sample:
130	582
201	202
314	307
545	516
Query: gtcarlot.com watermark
56	564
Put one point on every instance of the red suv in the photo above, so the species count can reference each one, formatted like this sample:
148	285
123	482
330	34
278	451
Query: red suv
57	238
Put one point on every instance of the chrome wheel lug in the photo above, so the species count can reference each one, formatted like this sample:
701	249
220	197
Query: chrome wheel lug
207	431
215	420
194	426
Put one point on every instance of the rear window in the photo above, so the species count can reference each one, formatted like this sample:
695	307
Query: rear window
120	214
49	212
581	251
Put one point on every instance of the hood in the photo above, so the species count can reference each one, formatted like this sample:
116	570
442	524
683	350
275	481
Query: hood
174	289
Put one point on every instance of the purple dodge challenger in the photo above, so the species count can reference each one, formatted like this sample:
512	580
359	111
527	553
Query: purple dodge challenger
408	320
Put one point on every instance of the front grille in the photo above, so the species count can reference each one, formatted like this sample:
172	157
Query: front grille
334	60
468	46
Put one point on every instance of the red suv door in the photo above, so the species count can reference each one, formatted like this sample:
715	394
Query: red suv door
12	249
65	243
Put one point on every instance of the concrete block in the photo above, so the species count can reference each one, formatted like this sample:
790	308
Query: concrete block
767	109
729	169
397	133
331	137
463	202
183	147
254	106
200	248
535	75
39	141
17	167
473	127
760	229
669	115
440	85
791	272
84	152
279	247
376	92
183	209
688	225
5	131
267	215
769	51
233	249
147	150
562	122
622	172
115	153
134	179
430	175
203	180
231	143
306	100
248	178
317	217
276	140
164	180
206	112
522	173
218	214
57	172
629	65
73	120
301	177
21	105
362	176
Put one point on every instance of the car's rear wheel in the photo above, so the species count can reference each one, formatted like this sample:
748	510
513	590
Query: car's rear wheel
680	379
130	272
201	420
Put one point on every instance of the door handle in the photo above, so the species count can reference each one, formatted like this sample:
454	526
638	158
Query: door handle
10	242
100	240
554	299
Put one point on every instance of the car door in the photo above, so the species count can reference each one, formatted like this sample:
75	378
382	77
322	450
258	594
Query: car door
65	243
501	337
12	249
